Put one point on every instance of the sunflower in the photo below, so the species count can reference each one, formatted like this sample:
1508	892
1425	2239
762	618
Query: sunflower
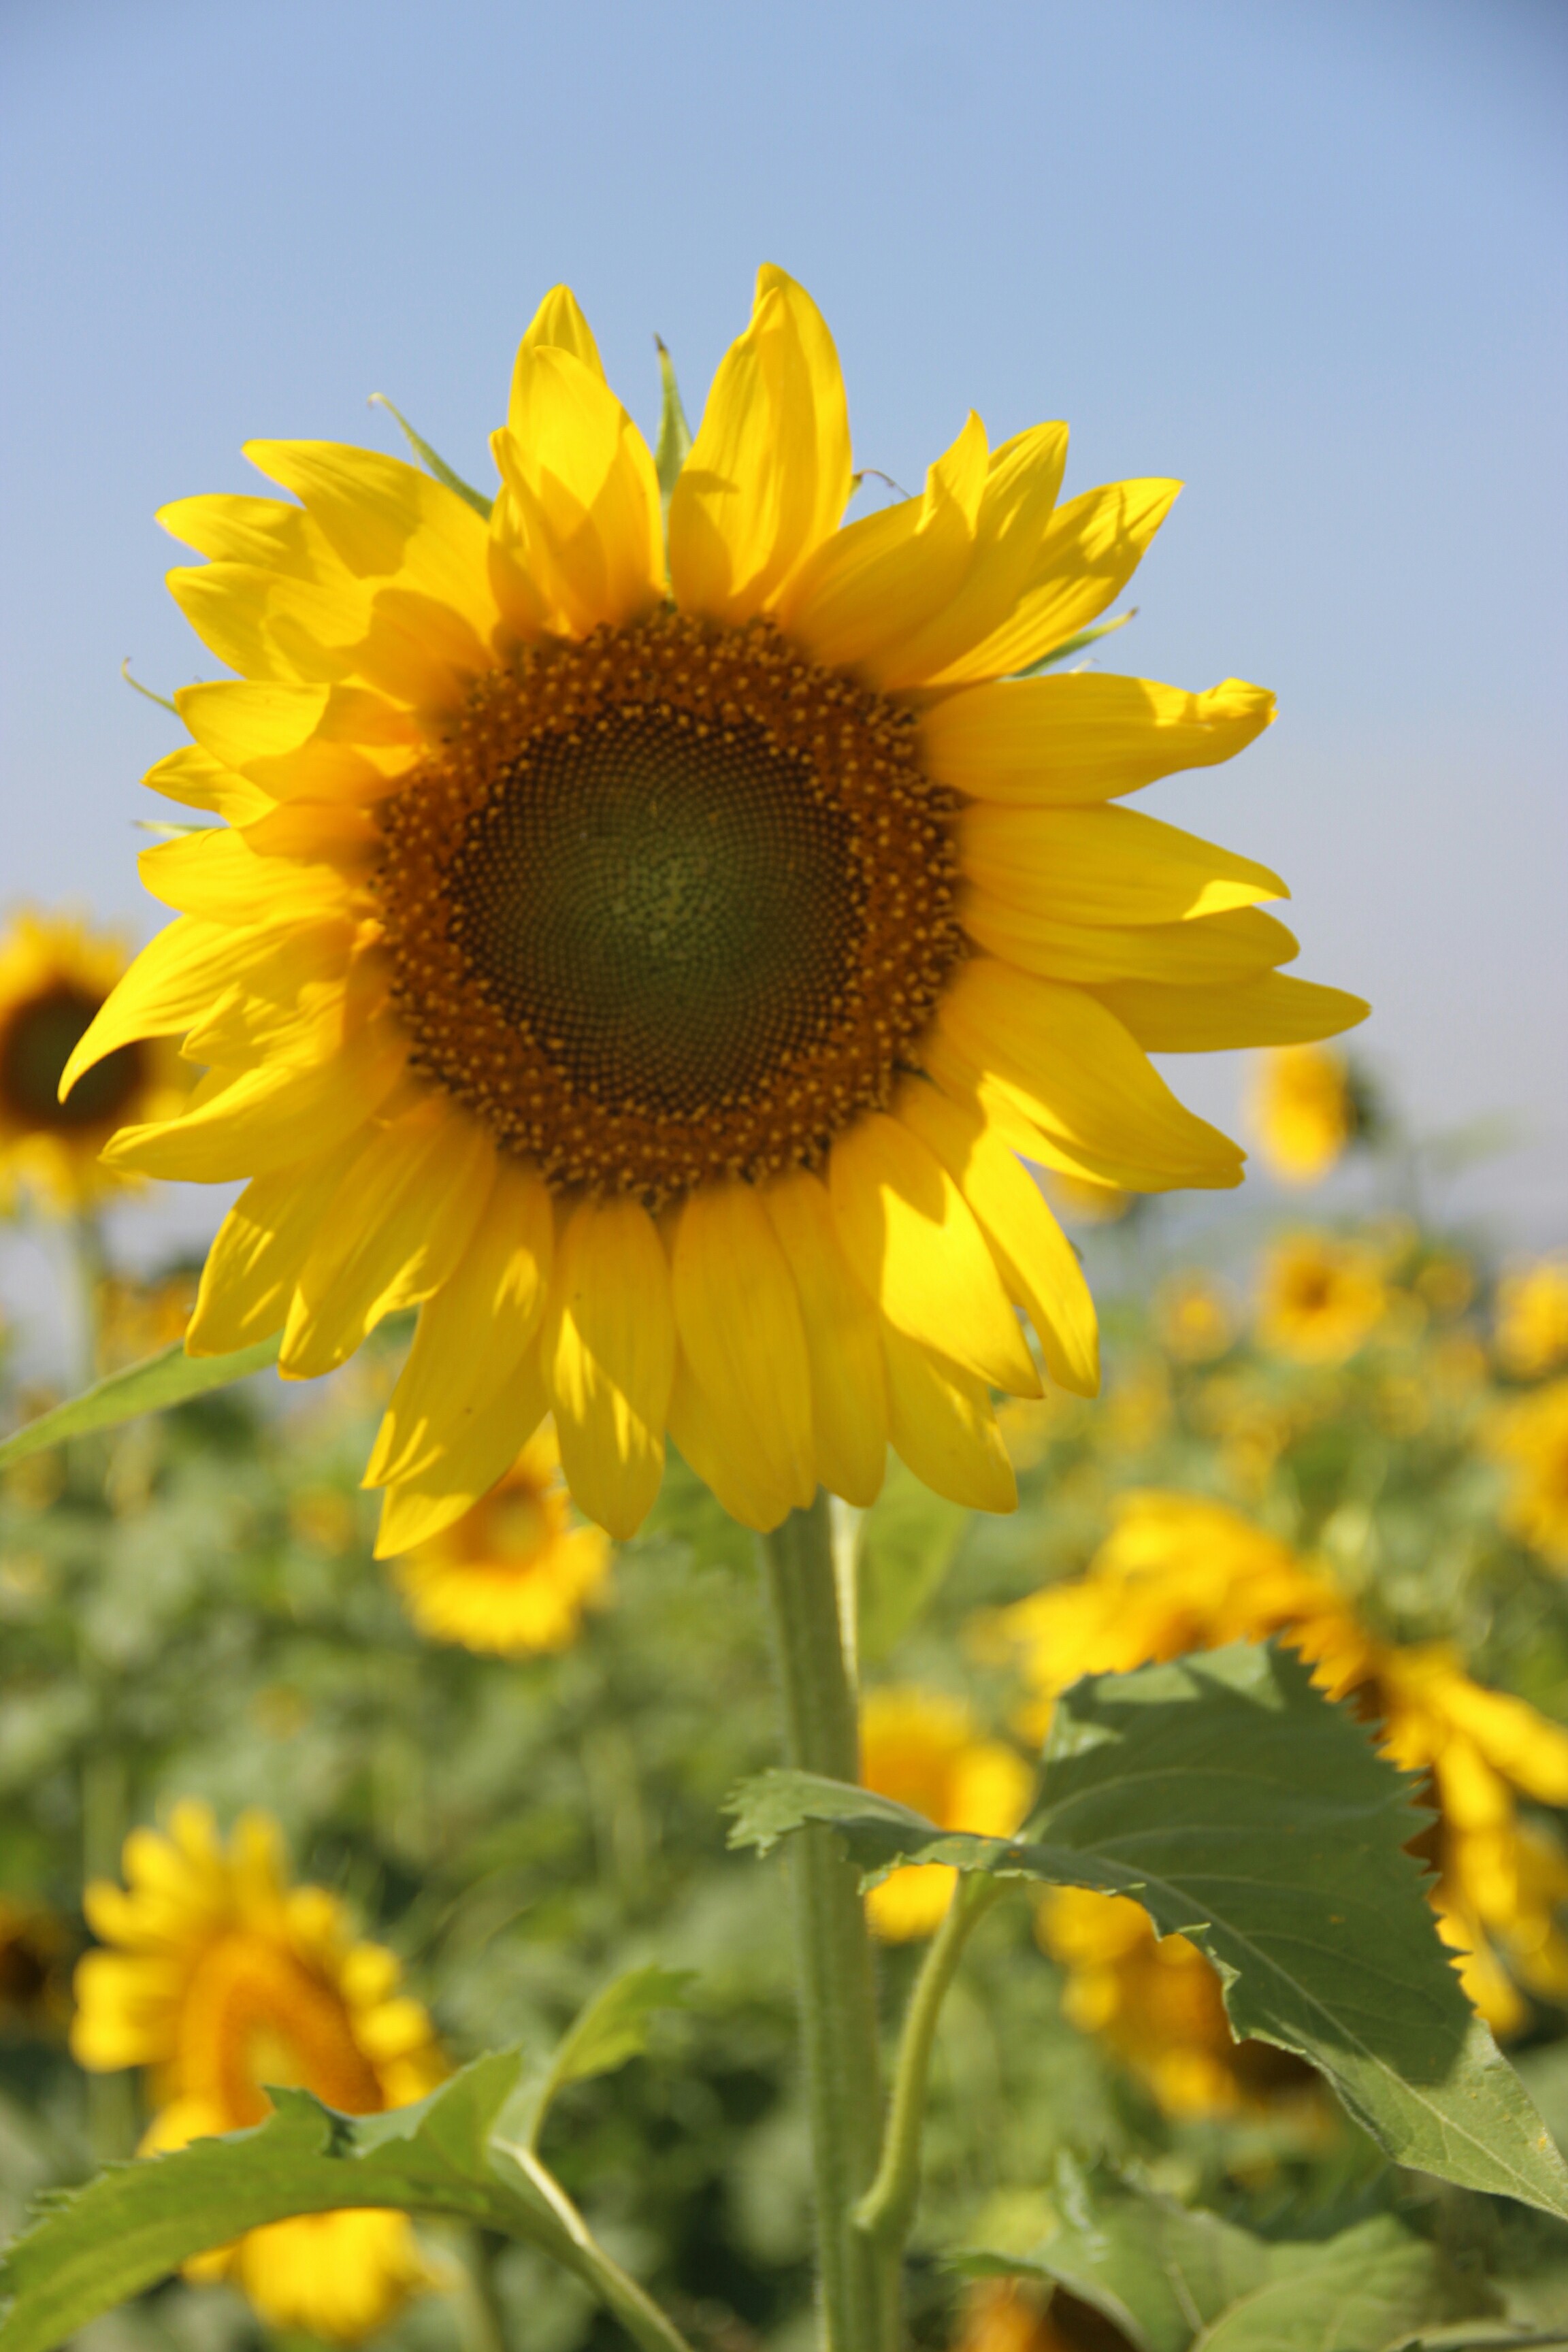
1532	1318
1195	1316
56	975
648	950
220	1977
1007	2315
1304	1109
513	1575
1321	1298
1178	1574
921	1747
1529	1435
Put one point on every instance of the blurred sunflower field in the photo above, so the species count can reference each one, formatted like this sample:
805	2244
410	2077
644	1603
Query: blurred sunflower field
272	1812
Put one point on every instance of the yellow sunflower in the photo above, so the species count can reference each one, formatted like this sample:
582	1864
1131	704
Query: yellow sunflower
513	1575
1321	1298
649	952
1530	1437
921	1747
221	1978
1304	1110
1532	1318
55	976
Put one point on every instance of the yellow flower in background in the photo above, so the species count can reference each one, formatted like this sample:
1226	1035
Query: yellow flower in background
1321	1298
135	1318
514	1575
1530	1436
1178	1574
219	1976
1532	1318
1303	1111
648	955
56	975
1004	2315
921	1747
1196	1318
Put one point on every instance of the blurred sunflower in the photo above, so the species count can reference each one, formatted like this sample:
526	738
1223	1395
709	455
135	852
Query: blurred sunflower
1196	1318
1321	1298
1529	1435
1304	1112
513	1575
1004	2315
56	975
650	952
1532	1318
219	1977
1178	1574
921	1747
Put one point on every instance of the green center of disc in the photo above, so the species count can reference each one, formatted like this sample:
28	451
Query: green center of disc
37	1043
667	908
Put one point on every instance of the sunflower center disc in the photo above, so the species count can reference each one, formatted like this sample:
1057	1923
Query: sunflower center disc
35	1045
665	910
669	905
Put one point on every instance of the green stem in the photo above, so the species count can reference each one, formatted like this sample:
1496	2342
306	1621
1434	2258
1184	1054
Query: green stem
636	2310
887	2211
858	2282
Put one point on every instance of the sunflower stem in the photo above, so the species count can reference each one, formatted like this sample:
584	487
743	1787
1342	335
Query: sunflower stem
858	2276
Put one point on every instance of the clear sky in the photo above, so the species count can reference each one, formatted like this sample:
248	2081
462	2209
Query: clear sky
1308	255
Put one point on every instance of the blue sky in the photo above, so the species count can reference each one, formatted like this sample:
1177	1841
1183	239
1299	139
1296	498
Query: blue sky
1309	257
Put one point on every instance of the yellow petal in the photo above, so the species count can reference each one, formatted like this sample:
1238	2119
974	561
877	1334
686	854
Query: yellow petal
843	1342
196	780
1036	1261
217	875
401	1219
738	1320
1071	1066
1273	1009
706	1444
466	1466
944	1428
264	1119
312	742
879	581
1091	549
608	1353
559	322
253	1262
918	1252
475	1332
1241	944
769	473
268	532
1058	742
583	491
1104	866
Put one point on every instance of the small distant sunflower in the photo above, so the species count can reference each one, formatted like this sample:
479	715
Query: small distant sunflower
1529	1435
1196	1318
56	975
921	1747
220	1977
1532	1318
1304	1112
649	950
514	1575
1321	1298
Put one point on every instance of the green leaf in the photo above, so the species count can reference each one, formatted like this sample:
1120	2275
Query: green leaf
138	2222
1243	1809
614	2026
1070	646
171	1377
674	432
908	1541
432	463
1358	2291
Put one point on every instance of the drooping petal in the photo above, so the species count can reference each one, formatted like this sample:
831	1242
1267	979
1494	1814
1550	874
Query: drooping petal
1272	1010
917	1251
482	1450
1082	737
1036	1260
706	1444
843	1342
608	1354
253	1262
1241	944
738	1320
475	1332
943	1429
401	1219
1105	866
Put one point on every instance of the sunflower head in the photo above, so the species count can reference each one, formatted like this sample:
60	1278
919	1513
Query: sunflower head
56	975
515	1574
1320	1298
1532	1318
1528	1435
220	1977
1305	1111
660	953
922	1748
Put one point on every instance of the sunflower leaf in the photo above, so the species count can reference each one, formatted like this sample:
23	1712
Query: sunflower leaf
611	2028
1243	1809
168	1378
434	464
674	432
